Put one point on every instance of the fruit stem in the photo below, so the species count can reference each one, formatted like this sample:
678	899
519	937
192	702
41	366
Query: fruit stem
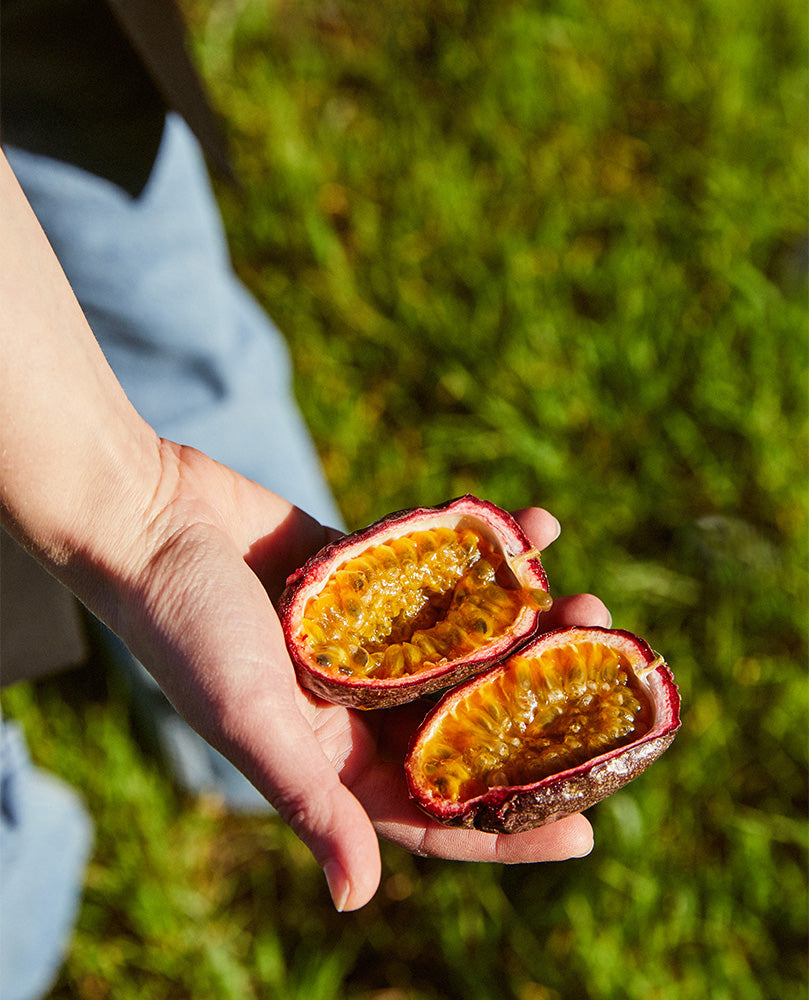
649	667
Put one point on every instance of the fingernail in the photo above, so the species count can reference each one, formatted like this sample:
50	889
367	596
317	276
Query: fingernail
558	528
338	884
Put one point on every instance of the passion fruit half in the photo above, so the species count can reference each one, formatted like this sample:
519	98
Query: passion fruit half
415	602
564	722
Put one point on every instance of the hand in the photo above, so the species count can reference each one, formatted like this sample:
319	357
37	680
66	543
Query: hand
196	612
181	557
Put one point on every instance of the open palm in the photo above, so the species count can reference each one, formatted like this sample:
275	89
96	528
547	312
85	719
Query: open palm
198	612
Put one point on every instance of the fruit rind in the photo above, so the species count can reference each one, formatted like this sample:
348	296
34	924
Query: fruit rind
495	525
512	809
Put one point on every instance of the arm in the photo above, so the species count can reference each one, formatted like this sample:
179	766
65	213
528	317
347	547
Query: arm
180	556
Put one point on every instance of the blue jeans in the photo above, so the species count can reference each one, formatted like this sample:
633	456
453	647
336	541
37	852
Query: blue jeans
45	838
196	355
205	367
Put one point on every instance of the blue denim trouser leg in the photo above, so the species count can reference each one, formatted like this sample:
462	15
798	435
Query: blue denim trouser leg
195	354
45	837
205	367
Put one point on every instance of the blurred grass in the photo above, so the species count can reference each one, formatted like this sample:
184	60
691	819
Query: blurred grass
549	253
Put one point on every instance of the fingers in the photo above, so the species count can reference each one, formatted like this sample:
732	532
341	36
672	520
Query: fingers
335	827
571	837
338	818
292	762
539	525
542	528
216	646
383	792
580	609
295	774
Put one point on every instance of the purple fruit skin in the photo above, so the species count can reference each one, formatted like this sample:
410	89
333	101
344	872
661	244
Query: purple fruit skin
367	693
524	807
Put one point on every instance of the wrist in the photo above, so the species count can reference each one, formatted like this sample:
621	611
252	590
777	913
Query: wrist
82	513
78	465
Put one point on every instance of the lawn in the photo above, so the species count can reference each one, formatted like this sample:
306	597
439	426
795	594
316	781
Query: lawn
549	253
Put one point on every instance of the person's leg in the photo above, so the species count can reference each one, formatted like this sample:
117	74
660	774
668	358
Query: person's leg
45	839
197	356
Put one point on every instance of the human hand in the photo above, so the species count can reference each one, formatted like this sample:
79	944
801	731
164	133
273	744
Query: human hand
181	557
196	612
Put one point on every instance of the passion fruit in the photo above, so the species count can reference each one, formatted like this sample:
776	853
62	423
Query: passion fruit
416	602
567	720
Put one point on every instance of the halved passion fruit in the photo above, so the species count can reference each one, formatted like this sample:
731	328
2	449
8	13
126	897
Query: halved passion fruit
563	723
418	601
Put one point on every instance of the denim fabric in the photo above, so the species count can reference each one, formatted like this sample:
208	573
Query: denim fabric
205	367
45	839
194	352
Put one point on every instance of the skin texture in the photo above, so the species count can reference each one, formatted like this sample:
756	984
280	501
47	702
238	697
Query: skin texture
182	558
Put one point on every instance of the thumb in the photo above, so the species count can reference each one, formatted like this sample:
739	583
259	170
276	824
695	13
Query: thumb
217	649
296	776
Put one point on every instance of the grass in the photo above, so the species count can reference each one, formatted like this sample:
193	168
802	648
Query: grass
548	253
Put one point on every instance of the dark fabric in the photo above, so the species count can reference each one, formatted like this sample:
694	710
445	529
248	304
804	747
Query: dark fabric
40	628
158	33
89	82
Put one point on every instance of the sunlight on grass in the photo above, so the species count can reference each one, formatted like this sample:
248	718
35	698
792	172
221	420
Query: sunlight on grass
549	254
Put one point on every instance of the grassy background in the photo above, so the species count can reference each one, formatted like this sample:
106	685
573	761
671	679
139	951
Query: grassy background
548	253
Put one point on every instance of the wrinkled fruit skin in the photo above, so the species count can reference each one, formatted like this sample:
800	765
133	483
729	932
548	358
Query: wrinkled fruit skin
323	612
496	705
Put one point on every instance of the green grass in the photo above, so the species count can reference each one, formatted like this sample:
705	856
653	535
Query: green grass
548	253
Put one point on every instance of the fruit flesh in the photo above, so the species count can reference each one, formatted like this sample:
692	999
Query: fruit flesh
539	717
416	600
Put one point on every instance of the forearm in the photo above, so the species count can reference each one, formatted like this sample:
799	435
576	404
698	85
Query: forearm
180	556
78	466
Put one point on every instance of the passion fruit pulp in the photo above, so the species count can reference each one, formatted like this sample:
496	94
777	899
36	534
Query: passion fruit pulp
561	724
415	602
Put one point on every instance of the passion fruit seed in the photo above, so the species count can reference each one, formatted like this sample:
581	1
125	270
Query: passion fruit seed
540	717
416	600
